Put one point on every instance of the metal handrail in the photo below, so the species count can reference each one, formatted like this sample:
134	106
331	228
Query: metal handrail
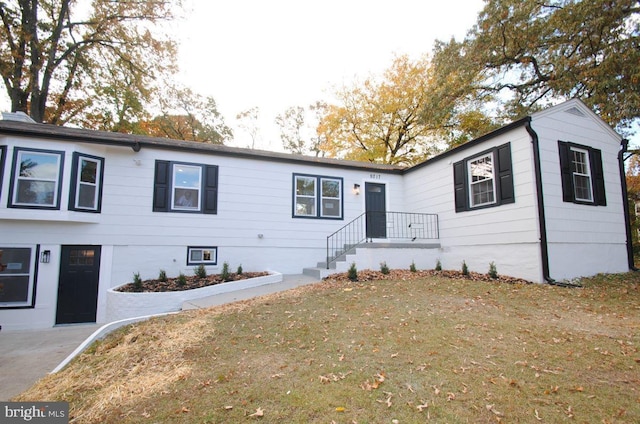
396	225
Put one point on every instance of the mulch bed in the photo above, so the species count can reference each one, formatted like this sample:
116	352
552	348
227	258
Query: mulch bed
192	282
402	274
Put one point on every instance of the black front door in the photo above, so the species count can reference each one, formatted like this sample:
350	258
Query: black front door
78	284
375	205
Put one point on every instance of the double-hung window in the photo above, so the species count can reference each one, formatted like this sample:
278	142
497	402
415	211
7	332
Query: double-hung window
582	174
482	184
16	279
85	193
185	187
317	197
484	180
36	179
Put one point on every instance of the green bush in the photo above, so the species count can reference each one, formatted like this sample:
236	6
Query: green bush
353	272
239	271
384	268
200	271
412	267
182	279
438	265
225	275
162	276
137	282
465	268
493	271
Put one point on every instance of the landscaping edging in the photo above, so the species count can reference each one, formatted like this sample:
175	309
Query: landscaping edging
124	305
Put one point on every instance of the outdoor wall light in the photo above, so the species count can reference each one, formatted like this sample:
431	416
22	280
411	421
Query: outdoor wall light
45	257
356	189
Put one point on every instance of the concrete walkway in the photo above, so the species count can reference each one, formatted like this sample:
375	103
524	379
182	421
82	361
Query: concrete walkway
28	355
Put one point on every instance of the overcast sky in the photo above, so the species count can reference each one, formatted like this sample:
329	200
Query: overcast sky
281	53
275	54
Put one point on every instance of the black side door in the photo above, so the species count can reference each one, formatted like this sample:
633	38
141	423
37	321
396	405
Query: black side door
375	207
78	284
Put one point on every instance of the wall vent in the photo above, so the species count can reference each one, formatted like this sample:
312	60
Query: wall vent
575	111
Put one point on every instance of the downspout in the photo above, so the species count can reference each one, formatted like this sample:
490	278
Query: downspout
544	250
624	145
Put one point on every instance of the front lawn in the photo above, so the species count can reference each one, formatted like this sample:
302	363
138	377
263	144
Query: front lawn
408	349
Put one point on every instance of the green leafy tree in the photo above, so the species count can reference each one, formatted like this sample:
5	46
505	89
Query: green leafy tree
64	61
528	54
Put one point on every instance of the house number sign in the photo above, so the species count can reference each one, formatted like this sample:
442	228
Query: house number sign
375	176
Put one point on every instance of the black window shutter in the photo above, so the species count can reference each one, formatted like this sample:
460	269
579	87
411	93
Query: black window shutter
505	175
460	186
565	172
73	183
595	159
161	186
210	190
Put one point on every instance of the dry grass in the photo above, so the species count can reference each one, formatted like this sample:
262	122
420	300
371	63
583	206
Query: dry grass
413	349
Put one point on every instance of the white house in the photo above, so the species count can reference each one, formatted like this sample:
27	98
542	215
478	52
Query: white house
82	211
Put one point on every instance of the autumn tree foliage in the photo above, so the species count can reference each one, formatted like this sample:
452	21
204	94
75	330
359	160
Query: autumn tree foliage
401	118
58	58
185	115
529	54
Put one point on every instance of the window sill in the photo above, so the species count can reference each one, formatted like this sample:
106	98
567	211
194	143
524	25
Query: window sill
48	215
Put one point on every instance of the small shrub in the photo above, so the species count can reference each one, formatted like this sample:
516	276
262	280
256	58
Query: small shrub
438	265
493	271
239	270
137	282
465	268
384	268
162	276
412	267
225	275
182	280
200	271
353	272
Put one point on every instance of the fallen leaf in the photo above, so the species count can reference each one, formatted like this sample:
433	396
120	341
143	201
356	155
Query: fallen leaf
184	409
340	409
537	416
259	413
228	407
425	405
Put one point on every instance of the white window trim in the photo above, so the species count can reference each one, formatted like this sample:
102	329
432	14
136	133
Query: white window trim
588	175
79	182
29	303
212	261
16	178
175	186
306	196
339	198
471	183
